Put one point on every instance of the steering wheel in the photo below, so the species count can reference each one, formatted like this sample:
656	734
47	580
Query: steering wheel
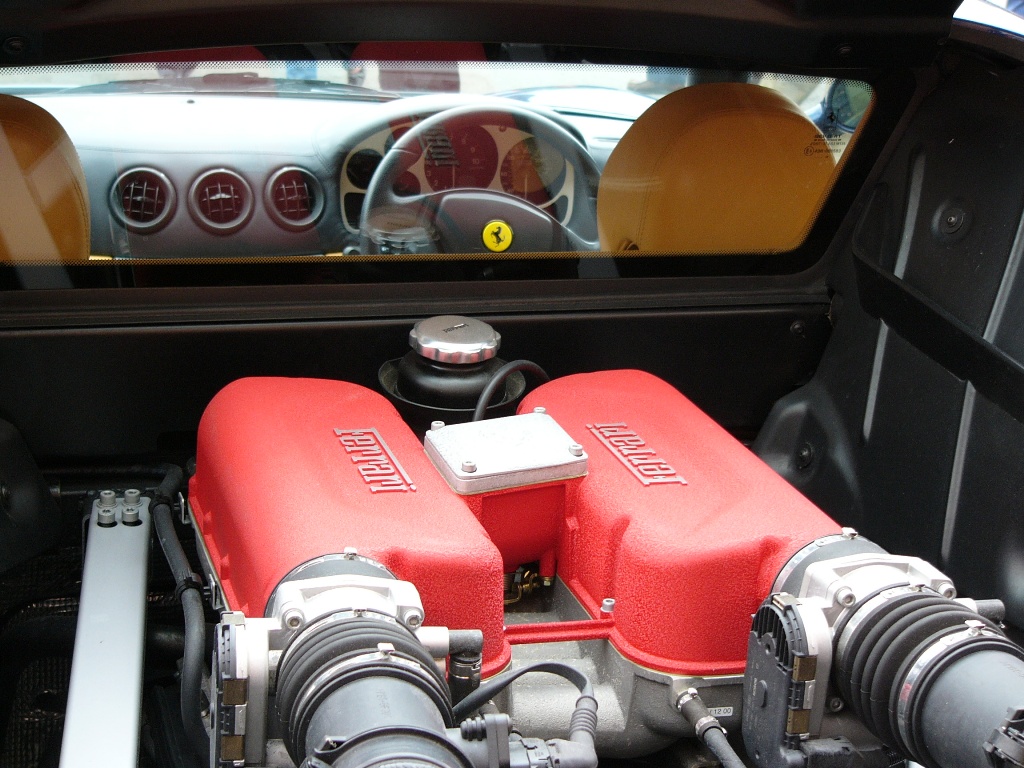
454	150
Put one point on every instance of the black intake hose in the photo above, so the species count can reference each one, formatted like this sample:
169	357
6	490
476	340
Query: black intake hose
361	691
188	588
929	676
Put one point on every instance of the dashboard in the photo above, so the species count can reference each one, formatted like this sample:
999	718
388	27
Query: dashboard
182	176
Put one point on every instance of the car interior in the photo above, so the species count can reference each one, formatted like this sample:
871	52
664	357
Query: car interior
511	386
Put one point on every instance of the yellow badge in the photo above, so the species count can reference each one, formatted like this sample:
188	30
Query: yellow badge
497	235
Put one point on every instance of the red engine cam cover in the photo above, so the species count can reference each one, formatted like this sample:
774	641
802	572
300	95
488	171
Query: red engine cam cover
677	521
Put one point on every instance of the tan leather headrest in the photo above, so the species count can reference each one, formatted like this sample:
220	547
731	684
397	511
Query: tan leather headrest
715	168
44	213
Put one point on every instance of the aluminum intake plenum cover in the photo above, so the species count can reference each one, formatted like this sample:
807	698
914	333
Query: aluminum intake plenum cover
511	452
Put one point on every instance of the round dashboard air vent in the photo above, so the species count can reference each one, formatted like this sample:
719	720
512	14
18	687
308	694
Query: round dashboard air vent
294	198
142	199
221	201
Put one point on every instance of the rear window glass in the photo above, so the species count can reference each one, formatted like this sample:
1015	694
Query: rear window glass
350	167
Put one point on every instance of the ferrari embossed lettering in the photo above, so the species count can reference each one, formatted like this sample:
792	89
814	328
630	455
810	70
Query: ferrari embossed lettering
635	454
377	465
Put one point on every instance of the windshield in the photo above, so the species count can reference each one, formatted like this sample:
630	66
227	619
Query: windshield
362	161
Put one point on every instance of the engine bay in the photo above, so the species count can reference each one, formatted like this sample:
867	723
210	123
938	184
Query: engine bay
376	578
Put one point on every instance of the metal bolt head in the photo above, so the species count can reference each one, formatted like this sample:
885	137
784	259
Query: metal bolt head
608	605
132	497
845	596
293	618
576	449
413	619
539	409
850	533
946	589
436	425
350	553
835	704
108	498
469	466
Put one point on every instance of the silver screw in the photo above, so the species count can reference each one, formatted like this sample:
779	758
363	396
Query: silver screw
293	618
108	498
469	466
974	626
946	590
436	425
105	517
608	605
835	704
132	497
539	409
130	515
850	533
576	449
845	596
350	553
413	619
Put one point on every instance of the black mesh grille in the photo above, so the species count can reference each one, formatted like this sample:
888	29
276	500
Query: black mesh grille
294	196
144	197
222	199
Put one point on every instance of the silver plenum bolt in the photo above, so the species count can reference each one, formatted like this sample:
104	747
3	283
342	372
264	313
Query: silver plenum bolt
576	449
436	425
132	497
608	605
946	590
108	498
845	596
469	466
105	517
293	618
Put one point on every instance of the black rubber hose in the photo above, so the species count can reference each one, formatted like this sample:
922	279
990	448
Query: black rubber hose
707	728
720	747
187	585
497	684
498	379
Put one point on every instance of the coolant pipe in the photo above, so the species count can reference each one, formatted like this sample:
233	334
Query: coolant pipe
187	586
